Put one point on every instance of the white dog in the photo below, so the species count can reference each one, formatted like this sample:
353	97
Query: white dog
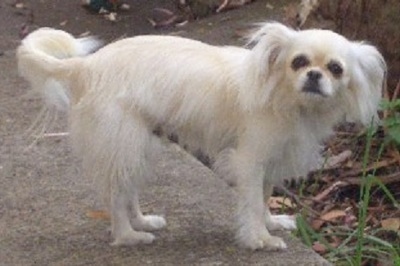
260	113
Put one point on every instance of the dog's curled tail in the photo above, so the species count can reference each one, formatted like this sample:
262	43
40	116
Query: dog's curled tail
43	61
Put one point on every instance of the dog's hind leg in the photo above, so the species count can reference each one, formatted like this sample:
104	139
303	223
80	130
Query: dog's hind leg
130	139
125	206
133	143
113	143
145	149
144	222
122	230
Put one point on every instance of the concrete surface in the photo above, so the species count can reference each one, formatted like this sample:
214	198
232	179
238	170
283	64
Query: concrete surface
44	202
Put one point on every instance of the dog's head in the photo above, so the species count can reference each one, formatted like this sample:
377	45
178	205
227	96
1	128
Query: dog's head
316	70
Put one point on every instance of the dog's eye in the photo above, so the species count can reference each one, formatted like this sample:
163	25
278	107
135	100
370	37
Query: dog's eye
299	62
335	68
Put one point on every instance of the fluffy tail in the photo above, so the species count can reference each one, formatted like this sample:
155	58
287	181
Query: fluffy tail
42	61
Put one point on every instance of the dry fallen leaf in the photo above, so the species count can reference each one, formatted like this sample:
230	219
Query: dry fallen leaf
391	224
322	249
319	248
112	16
327	217
350	219
279	202
337	160
85	34
99	215
19	5
269	6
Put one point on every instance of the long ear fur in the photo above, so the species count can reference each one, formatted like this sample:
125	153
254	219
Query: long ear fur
269	43
367	79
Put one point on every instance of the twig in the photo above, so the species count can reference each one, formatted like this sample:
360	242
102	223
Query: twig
396	91
345	134
321	196
223	5
374	166
335	161
393	151
59	134
386	179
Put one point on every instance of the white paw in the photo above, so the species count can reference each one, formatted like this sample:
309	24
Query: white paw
281	222
274	243
262	240
149	223
133	238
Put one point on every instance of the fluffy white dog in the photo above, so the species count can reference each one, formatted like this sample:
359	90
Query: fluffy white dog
259	113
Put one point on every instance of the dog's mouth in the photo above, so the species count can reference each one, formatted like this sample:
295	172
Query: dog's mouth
313	88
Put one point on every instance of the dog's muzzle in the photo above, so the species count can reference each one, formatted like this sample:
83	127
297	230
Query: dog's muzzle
312	84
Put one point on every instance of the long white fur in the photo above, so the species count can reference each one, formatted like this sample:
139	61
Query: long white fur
245	108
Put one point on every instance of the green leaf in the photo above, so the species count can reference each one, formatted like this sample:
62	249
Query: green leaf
394	133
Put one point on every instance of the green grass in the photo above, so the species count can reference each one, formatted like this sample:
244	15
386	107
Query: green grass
365	189
362	243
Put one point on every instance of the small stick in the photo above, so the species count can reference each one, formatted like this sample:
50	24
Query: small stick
56	134
396	91
328	190
386	179
374	166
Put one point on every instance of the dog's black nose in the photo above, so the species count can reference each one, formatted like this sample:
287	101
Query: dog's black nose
312	84
314	75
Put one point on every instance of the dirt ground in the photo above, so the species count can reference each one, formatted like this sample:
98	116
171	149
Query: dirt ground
43	202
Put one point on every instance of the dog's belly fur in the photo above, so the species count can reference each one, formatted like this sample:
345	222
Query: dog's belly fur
173	137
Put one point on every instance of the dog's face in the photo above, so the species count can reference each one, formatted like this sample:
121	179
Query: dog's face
315	69
319	70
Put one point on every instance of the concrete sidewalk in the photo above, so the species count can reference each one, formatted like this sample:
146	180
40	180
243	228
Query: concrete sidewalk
45	222
44	202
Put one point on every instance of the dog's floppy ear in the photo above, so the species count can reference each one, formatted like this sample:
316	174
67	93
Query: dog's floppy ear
268	46
367	79
270	39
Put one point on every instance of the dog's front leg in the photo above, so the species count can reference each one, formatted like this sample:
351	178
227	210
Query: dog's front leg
276	222
252	232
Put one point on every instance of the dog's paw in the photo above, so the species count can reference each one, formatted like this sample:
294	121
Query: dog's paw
259	238
274	243
149	223
281	222
133	238
263	241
